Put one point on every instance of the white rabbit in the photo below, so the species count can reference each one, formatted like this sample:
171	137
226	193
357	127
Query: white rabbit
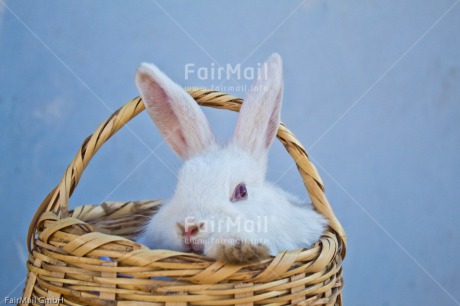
222	206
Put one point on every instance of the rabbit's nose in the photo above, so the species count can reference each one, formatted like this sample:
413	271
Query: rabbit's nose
191	229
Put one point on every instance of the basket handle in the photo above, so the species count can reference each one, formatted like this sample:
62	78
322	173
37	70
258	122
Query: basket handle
58	199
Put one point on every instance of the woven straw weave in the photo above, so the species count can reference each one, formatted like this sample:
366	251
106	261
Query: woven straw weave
76	263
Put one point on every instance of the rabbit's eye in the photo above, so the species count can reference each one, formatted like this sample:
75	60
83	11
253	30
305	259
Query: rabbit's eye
240	193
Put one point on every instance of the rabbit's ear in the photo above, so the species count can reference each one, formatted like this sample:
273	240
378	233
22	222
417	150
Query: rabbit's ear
259	116
178	117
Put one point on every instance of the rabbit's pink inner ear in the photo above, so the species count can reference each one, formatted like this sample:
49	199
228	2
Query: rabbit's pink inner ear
177	116
274	121
158	105
259	116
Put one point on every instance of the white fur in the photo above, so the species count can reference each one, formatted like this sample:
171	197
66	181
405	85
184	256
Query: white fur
210	173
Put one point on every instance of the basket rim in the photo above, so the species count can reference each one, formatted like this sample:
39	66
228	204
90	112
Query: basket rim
67	263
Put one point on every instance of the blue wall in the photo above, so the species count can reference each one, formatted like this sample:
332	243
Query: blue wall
371	88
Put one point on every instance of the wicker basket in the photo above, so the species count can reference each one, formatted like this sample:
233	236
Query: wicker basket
67	252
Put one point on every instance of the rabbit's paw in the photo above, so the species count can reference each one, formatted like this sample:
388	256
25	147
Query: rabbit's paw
240	252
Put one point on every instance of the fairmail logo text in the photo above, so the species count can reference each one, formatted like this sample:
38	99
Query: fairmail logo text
224	72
